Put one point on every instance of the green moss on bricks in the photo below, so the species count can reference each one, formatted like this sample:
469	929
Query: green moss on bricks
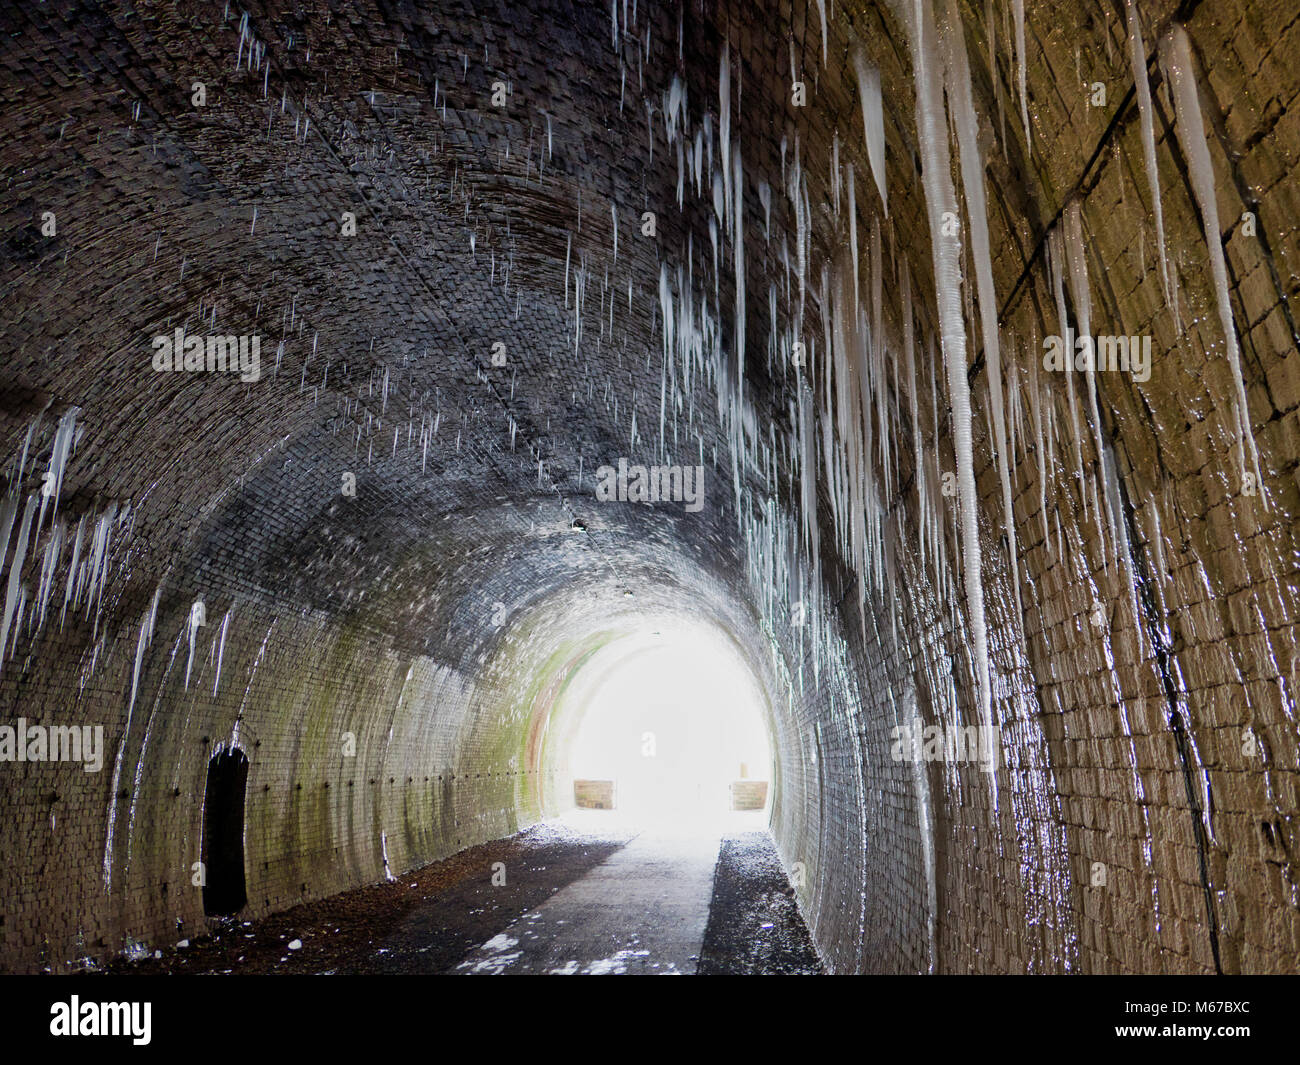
520	696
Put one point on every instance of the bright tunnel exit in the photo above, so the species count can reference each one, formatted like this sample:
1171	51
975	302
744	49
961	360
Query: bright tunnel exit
669	730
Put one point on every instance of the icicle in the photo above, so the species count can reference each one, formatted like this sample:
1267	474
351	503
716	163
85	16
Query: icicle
808	473
1176	53
221	651
1142	86
63	441
14	592
836	182
1036	412
724	123
196	619
1108	470
738	251
1019	7
853	243
1083	307
932	136
141	645
873	119
1016	413
972	172
1057	270
53	548
909	358
97	564
8	511
879	364
72	568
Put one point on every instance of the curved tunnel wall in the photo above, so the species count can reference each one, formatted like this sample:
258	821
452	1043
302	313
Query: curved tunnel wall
1144	814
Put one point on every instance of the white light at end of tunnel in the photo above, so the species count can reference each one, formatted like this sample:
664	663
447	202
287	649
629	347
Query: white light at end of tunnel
673	718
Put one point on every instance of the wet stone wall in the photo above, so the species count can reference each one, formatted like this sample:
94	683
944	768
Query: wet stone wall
350	779
393	529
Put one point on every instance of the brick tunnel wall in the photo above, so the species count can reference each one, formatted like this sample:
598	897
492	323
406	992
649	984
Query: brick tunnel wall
1085	852
1144	818
1112	840
351	778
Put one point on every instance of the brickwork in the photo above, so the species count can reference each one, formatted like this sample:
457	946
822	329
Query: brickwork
1143	814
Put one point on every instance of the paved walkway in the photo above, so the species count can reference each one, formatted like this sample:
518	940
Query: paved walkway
642	910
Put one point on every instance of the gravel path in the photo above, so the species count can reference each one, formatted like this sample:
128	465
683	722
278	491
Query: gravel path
754	924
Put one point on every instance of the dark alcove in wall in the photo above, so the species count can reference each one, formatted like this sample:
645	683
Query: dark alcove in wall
224	892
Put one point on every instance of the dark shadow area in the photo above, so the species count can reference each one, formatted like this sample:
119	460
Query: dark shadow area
423	922
755	927
224	891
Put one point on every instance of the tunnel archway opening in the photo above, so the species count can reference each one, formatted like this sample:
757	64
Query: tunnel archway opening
668	732
224	890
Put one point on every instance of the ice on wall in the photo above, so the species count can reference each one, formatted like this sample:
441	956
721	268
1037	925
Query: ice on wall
941	200
1176	54
873	119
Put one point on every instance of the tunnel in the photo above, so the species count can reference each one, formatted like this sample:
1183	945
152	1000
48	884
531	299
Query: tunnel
822	474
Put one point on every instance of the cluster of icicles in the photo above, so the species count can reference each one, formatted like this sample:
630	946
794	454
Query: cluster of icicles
49	561
55	572
846	382
848	385
841	394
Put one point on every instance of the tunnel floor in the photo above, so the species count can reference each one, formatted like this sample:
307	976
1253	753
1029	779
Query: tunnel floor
571	896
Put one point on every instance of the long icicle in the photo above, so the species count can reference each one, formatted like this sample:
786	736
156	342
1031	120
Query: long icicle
1176	52
1021	64
942	200
873	119
1075	253
972	175
1142	85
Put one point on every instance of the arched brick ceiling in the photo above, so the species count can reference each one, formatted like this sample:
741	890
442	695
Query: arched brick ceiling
1143	641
